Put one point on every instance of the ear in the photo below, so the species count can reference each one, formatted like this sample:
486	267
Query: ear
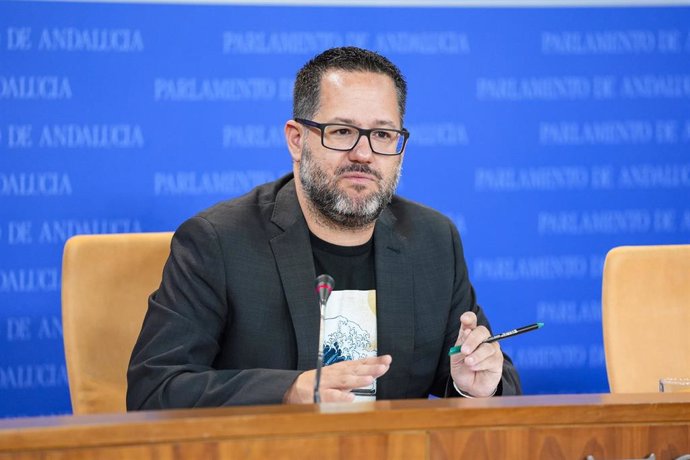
294	138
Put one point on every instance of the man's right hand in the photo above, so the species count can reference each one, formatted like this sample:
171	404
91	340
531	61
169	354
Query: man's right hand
337	380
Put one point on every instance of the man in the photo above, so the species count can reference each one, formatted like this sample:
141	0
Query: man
236	320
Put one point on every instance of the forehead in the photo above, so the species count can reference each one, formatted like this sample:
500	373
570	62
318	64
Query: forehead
363	97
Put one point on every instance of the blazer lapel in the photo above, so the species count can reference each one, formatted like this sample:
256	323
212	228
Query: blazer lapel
293	255
394	306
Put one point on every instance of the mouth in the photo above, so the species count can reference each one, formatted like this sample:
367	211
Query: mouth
359	174
358	177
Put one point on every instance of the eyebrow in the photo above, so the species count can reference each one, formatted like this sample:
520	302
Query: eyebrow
377	123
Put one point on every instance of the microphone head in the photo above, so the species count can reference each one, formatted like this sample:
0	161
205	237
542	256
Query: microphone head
324	285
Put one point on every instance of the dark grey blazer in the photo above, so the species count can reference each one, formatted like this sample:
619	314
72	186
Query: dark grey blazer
235	320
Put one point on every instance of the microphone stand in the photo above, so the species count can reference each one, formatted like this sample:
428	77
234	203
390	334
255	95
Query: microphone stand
319	361
324	285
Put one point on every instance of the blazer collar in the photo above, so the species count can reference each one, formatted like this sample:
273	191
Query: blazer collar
394	305
293	255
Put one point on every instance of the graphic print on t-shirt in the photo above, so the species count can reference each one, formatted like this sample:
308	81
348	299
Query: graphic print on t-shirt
350	331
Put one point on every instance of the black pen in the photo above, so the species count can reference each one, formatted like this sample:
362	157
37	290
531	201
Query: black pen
456	349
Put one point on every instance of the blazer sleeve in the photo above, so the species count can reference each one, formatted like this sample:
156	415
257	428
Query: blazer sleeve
464	299
172	362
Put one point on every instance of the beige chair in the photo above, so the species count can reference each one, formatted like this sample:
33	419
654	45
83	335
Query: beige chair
646	316
106	281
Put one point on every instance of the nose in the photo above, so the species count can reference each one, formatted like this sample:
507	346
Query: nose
361	152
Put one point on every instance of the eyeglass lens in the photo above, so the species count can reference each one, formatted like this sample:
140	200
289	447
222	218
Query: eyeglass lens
344	137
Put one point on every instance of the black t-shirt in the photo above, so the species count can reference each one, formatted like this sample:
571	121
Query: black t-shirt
350	315
352	267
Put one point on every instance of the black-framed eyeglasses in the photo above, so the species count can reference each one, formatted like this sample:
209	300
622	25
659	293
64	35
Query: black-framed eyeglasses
343	137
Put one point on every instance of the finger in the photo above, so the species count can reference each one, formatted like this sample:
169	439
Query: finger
493	364
473	339
354	374
375	366
484	357
344	381
468	320
383	359
374	370
334	395
462	336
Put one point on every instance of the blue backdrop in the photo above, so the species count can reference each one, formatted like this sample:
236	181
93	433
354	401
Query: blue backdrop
549	135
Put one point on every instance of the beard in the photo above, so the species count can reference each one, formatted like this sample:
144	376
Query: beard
337	207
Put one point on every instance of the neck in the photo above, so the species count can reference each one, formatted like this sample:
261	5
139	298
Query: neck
328	230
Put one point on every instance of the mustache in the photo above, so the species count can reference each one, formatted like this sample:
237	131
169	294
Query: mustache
359	168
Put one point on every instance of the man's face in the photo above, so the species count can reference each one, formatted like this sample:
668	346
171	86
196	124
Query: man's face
351	188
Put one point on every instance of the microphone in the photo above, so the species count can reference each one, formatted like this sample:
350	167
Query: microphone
324	286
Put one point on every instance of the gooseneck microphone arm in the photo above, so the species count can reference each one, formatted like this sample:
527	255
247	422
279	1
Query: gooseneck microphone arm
324	286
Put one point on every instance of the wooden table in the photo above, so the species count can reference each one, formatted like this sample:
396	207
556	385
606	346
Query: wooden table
607	426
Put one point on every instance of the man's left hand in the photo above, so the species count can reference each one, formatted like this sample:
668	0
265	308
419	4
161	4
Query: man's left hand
477	369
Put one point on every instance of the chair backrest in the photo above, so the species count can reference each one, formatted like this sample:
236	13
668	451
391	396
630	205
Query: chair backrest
646	316
106	281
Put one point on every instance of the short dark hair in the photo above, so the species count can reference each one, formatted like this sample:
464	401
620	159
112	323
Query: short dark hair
306	93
